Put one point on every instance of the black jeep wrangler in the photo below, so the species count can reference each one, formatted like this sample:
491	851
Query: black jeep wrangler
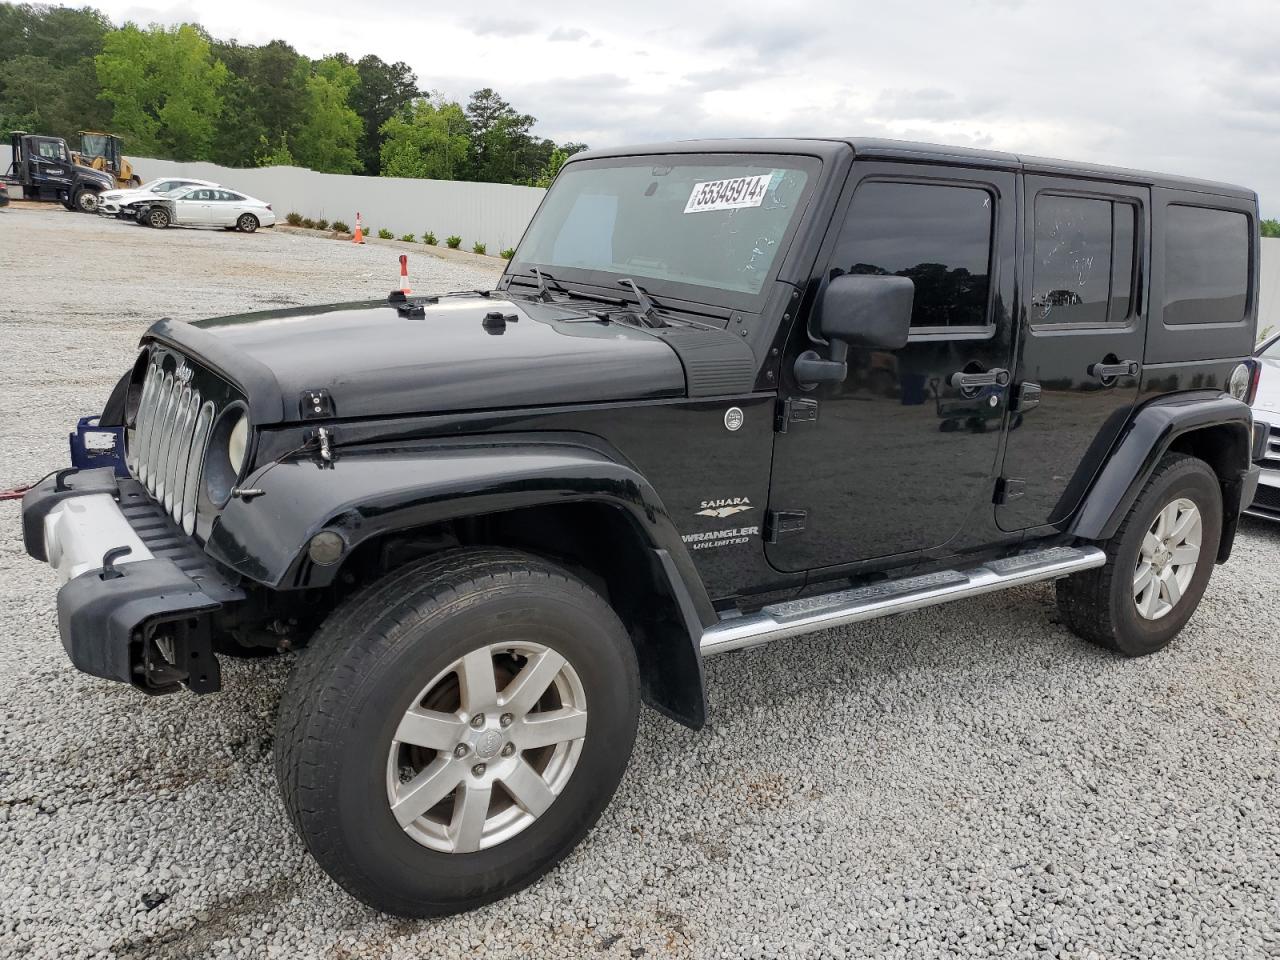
725	393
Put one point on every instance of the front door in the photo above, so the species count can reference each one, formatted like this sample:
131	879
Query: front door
1076	381
905	449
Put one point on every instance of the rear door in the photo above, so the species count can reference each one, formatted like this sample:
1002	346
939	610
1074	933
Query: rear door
1085	250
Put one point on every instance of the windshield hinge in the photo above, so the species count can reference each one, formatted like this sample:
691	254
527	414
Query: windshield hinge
795	410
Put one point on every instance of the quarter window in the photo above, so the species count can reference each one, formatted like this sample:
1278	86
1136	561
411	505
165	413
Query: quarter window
938	236
1085	251
1206	265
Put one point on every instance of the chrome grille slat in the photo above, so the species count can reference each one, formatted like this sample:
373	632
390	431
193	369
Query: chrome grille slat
159	434
146	419
178	469
180	423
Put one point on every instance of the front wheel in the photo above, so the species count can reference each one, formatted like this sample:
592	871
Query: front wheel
247	223
455	729
157	217
86	201
1158	563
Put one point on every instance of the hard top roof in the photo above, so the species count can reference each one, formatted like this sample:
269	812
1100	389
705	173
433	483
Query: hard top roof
906	150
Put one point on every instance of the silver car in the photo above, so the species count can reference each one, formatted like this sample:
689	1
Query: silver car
1266	409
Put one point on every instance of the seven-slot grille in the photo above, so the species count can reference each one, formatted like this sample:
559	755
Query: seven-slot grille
170	434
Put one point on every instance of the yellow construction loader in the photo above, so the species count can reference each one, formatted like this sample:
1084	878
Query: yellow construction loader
102	152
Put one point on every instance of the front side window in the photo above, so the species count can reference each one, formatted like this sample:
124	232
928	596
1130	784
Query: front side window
1085	250
938	236
1206	271
51	150
686	220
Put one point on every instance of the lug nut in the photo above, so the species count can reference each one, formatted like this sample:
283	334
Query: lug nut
507	720
406	774
478	770
460	750
509	749
477	721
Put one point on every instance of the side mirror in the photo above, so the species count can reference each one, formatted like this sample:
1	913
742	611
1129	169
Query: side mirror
858	310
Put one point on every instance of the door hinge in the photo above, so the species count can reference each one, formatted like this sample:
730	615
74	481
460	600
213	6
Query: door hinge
1025	396
796	410
1008	488
778	522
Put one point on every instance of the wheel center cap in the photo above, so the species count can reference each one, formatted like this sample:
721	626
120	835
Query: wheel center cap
488	745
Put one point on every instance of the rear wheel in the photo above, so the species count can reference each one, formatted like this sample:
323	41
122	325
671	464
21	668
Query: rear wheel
1158	563
157	217
247	223
454	730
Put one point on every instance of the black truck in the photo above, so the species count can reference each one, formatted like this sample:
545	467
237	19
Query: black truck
43	167
725	393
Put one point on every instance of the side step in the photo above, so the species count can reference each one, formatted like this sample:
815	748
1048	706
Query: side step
795	617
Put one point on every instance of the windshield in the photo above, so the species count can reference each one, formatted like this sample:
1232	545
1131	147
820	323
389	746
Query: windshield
714	222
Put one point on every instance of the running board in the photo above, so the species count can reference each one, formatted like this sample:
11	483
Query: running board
795	617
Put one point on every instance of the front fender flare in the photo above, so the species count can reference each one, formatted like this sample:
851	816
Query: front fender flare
370	491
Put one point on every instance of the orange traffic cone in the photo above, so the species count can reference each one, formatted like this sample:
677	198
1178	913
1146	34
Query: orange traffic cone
359	237
404	275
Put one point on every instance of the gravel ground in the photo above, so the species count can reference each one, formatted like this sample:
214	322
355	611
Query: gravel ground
969	780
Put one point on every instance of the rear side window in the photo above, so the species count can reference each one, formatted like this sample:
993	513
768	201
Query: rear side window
1206	265
1085	251
939	236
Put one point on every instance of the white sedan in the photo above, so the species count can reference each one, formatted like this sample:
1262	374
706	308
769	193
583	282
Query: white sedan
206	207
112	202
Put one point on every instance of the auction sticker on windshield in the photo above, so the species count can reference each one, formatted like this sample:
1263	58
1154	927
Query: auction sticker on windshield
728	194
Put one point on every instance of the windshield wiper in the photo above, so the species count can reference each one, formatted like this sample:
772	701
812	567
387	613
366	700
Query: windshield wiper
544	293
647	310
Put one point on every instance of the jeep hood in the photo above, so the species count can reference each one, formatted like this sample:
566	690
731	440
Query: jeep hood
378	359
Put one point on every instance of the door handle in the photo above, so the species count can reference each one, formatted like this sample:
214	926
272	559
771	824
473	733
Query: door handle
971	381
1109	371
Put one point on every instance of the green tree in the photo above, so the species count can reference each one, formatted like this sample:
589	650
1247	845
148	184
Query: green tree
48	83
1271	228
330	130
500	140
274	156
164	87
551	168
428	139
384	89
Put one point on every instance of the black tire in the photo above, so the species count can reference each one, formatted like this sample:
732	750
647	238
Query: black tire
353	682
1099	606
247	223
86	201
69	204
157	217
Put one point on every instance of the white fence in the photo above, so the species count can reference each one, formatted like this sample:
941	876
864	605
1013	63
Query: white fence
494	214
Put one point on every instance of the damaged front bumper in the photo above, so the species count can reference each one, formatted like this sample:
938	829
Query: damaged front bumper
137	596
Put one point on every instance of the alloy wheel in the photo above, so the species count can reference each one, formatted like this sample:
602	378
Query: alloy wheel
486	747
1167	559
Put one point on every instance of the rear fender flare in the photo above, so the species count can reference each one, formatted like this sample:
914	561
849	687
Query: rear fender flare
1151	433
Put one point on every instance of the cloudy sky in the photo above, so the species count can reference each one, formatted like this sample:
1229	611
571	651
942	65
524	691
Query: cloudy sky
1184	86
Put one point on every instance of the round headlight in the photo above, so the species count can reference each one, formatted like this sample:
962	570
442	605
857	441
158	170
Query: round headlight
238	444
1238	385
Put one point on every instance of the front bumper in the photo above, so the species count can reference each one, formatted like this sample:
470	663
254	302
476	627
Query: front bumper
137	595
1265	502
